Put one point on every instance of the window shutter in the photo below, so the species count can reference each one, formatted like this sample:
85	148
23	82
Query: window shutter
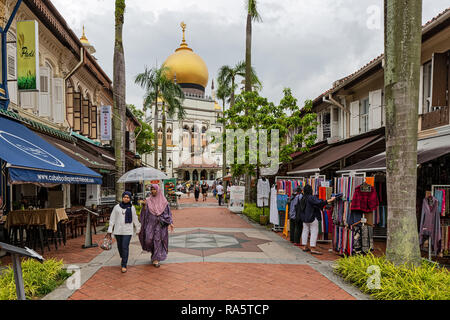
69	106
93	122
375	109
354	122
85	116
421	91
12	74
44	94
28	100
77	111
439	74
58	107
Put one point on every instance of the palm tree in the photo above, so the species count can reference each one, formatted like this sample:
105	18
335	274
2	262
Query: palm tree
401	77
252	15
228	78
158	86
223	93
119	118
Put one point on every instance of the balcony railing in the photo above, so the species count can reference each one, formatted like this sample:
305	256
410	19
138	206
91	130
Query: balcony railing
437	118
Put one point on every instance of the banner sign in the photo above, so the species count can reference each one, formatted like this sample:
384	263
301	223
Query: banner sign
27	55
105	123
237	198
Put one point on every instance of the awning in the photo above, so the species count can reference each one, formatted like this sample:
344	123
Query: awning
326	158
31	159
73	150
427	150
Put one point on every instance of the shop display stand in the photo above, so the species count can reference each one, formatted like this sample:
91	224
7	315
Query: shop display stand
444	222
281	227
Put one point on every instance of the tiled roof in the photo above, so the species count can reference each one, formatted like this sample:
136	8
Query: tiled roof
372	63
36	126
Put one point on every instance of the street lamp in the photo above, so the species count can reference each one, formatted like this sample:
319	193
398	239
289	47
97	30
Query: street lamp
161	165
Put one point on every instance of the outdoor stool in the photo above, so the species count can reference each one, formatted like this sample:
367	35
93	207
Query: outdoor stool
39	234
62	229
17	229
52	237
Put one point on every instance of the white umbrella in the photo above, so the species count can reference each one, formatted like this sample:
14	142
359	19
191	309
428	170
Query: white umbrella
142	174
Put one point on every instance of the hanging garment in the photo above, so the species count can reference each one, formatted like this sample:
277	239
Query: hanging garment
263	193
430	223
274	218
282	200
438	194
364	201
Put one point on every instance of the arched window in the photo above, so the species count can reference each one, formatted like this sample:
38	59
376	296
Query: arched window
186	137
169	136
160	136
204	140
45	94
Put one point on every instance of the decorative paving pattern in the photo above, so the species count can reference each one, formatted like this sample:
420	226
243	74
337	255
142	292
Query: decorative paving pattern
205	243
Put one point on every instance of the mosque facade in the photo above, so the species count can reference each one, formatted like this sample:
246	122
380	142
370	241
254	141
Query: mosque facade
190	154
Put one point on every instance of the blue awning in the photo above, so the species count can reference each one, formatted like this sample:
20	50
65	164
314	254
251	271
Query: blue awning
31	159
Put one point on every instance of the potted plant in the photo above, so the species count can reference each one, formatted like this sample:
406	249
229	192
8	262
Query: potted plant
263	219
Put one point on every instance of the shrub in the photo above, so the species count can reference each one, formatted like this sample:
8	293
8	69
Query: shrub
426	282
252	211
39	278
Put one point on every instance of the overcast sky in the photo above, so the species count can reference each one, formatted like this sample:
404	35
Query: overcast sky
304	45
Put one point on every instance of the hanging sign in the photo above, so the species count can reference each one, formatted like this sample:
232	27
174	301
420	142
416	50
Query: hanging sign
105	123
27	55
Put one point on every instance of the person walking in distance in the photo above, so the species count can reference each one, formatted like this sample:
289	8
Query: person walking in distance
204	190
121	222
219	190
196	191
156	218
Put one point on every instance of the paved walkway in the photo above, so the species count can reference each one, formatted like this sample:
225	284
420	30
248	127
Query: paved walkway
213	254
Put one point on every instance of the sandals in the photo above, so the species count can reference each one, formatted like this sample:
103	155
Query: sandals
156	265
316	252
124	270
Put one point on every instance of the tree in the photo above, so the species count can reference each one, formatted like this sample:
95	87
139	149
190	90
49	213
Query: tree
403	38
227	79
158	87
252	15
262	114
119	96
144	134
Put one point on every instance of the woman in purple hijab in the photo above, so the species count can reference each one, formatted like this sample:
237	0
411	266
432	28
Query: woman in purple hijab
155	220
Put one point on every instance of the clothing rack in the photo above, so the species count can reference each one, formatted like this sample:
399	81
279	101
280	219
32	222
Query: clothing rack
445	212
285	212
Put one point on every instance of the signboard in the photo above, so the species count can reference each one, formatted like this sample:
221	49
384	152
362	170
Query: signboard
105	123
27	55
169	186
237	199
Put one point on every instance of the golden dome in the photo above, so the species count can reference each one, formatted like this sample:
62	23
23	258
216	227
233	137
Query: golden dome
188	67
217	106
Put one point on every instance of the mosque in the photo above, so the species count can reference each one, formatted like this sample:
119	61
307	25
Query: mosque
190	156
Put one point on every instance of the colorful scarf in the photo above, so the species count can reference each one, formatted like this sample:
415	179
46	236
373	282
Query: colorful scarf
156	204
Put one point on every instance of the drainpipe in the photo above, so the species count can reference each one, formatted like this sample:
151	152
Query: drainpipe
66	189
71	73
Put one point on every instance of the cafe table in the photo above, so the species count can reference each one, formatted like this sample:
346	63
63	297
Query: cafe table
50	217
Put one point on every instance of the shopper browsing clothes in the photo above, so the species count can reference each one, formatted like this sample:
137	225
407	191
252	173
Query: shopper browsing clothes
309	210
219	190
156	218
123	219
295	221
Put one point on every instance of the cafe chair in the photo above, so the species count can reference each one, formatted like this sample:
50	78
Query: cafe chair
39	237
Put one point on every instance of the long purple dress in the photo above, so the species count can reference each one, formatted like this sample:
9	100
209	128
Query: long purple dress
153	237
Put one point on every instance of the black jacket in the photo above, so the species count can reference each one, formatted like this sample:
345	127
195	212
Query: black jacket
312	209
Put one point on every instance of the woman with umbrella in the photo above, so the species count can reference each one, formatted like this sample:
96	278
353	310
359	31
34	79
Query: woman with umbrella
155	219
